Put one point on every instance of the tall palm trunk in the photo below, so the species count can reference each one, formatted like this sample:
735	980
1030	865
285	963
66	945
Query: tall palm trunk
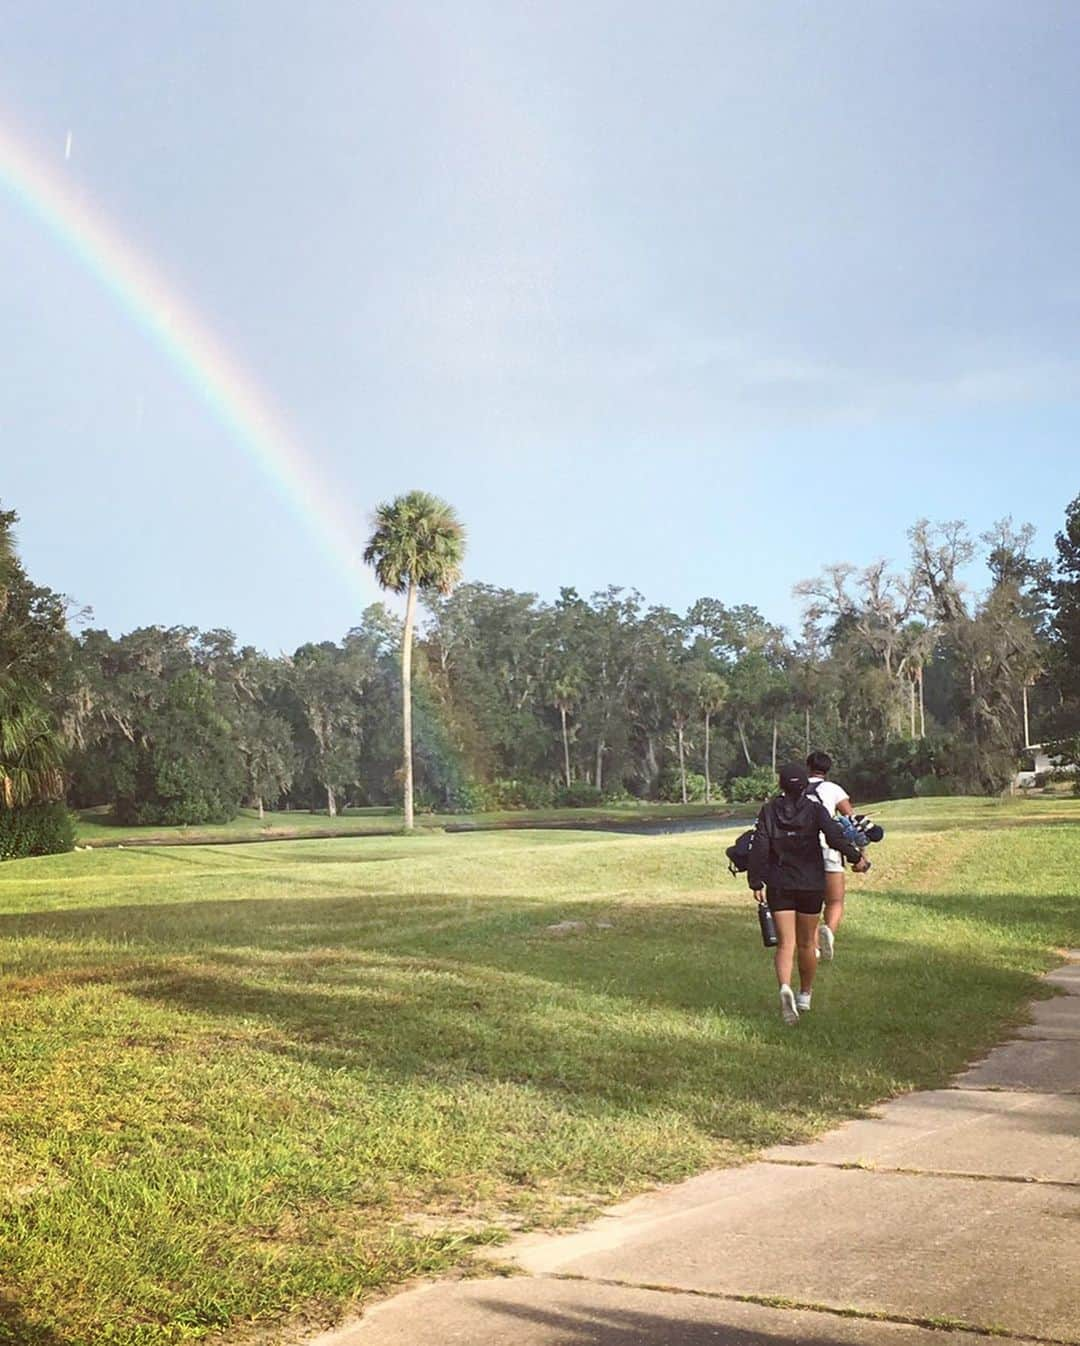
600	747
775	733
259	801
565	747
922	708
682	763
708	778
331	802
807	714
742	740
406	702
912	689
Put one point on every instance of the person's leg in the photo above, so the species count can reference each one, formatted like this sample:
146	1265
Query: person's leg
806	926
834	900
834	906
785	949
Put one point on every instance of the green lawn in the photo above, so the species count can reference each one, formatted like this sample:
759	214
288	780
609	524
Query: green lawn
255	1084
95	827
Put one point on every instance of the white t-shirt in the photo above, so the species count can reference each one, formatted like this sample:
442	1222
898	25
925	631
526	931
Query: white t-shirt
832	796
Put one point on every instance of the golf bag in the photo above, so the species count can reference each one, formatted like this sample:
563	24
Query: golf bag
860	830
738	854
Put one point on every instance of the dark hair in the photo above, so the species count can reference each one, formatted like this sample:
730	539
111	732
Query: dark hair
820	763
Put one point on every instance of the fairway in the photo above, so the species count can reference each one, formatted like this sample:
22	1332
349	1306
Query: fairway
96	828
254	1084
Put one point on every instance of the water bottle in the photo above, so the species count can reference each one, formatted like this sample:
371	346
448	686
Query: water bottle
769	937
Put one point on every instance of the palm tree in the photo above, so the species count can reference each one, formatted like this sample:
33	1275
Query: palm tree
684	704
417	547
31	761
7	557
564	694
712	694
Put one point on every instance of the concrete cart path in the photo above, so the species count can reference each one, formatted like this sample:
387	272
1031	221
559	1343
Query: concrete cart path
955	1209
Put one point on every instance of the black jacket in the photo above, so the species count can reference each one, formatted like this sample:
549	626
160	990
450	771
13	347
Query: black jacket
786	851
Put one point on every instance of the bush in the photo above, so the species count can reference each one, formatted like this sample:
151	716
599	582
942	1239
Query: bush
466	797
670	789
748	789
930	787
514	794
580	795
38	829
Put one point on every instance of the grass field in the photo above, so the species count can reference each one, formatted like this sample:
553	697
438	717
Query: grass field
250	1085
95	827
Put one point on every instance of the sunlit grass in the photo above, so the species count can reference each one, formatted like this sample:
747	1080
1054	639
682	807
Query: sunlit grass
249	1082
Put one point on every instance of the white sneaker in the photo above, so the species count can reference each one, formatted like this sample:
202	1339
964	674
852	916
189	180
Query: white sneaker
802	1001
826	943
787	1005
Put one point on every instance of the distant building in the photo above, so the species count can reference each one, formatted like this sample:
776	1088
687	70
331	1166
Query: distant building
1043	763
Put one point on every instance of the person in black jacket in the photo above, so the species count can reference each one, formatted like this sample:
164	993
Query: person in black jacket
787	869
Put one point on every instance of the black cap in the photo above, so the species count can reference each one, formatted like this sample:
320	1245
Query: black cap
793	778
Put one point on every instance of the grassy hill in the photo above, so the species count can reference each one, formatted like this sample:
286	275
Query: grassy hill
254	1084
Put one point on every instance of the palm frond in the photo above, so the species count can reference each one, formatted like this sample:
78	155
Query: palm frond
31	756
417	538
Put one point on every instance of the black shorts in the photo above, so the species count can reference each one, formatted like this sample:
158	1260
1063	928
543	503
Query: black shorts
806	901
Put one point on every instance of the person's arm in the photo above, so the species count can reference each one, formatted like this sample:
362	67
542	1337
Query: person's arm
759	857
835	836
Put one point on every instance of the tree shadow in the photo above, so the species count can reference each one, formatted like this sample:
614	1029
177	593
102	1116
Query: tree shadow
674	1008
584	1322
15	1330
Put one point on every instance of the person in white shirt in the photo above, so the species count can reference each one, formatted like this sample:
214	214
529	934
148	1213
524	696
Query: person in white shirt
836	800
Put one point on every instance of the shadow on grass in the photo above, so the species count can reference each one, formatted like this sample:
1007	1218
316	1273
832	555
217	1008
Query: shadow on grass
16	1331
674	1009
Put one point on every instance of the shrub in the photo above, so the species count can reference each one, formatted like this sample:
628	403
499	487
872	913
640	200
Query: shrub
580	795
466	797
514	794
670	789
929	787
747	789
38	829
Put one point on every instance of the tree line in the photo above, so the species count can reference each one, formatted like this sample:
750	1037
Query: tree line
924	677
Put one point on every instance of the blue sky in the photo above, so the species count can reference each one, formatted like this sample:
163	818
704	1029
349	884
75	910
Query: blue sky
693	298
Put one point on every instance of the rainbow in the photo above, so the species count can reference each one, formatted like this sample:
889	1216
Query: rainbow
234	397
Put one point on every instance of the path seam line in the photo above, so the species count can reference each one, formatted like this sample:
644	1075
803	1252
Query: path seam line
852	1166
943	1324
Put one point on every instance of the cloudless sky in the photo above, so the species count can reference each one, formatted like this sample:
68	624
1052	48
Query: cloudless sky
690	297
